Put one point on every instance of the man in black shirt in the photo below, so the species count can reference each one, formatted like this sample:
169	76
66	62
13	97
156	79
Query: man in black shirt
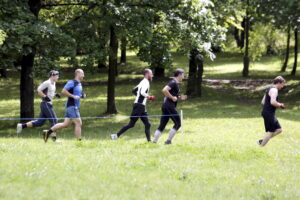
270	102
171	92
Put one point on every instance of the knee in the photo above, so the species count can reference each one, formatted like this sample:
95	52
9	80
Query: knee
280	131
65	125
130	125
37	123
147	126
177	126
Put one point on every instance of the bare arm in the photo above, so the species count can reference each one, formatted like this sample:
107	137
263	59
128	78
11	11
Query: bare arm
65	92
41	87
263	100
41	94
273	94
166	92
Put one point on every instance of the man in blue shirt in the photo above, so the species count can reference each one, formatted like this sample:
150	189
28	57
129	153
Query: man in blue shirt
73	89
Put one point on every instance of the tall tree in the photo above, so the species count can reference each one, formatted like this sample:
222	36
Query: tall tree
29	38
123	50
285	15
27	61
113	62
195	74
197	43
246	53
287	53
293	73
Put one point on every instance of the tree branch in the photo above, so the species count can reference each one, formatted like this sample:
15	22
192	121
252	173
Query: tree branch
64	4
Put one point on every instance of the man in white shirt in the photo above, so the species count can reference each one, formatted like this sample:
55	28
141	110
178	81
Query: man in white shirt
47	91
139	106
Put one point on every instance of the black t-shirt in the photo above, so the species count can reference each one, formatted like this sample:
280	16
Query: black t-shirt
268	107
174	92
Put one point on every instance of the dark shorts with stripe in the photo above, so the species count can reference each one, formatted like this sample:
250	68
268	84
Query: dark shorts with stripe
271	122
47	113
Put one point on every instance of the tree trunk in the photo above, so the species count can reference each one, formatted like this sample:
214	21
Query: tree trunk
123	50
199	79
26	87
242	40
26	81
159	72
103	43
3	73
194	85
191	84
237	36
113	61
287	53
246	54
296	53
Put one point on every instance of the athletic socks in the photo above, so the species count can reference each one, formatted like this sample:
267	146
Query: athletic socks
172	134
50	131
157	134
24	126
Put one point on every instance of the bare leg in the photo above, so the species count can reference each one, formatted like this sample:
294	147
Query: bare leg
277	131
78	124
29	124
269	135
58	126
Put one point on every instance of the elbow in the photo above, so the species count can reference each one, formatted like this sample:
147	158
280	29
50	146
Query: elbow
144	94
63	91
274	103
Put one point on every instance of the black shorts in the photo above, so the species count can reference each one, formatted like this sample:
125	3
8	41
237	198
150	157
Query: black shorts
271	122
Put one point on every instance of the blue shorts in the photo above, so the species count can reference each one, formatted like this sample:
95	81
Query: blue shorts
72	112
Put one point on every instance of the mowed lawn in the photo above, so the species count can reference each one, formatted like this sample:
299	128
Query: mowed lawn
213	156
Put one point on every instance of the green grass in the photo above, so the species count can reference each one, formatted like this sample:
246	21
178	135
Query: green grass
214	155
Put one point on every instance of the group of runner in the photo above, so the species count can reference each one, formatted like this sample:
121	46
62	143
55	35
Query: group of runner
74	91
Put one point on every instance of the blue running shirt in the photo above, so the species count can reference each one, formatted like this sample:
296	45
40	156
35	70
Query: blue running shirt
75	88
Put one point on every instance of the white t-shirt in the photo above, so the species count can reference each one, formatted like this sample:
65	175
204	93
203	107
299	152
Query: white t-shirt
48	88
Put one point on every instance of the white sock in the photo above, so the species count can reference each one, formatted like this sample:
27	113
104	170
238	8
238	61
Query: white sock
172	134
156	135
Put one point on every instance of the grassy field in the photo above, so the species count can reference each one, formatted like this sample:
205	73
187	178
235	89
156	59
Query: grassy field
214	155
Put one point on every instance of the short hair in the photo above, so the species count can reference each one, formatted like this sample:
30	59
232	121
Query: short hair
53	73
146	71
77	71
278	79
178	72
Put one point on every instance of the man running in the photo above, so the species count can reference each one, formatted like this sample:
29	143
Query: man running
171	92
139	106
73	89
270	103
47	91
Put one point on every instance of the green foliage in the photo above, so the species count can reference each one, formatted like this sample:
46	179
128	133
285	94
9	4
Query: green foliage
25	35
281	13
262	37
2	36
199	28
156	52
